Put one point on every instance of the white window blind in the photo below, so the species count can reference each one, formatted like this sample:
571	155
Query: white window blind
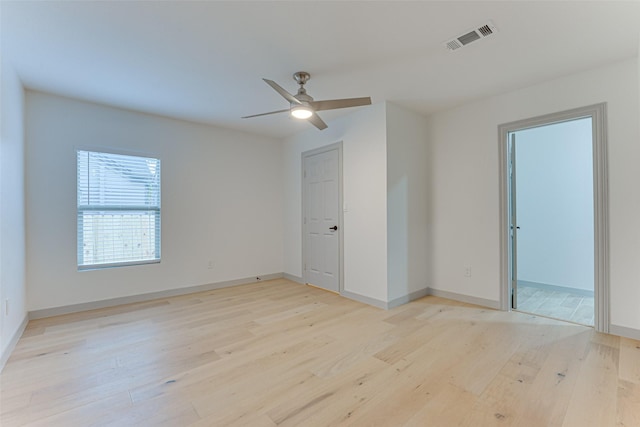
118	209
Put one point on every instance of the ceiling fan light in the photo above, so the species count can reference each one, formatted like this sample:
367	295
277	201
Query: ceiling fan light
301	112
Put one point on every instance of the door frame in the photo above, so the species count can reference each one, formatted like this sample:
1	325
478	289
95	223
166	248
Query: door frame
513	223
304	155
598	114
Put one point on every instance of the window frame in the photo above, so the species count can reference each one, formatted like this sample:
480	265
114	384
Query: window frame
116	208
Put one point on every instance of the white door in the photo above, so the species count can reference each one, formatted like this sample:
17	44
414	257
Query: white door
321	202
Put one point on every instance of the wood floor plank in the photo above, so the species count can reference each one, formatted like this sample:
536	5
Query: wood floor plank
594	399
449	407
630	360
243	420
276	353
418	377
333	397
558	372
628	409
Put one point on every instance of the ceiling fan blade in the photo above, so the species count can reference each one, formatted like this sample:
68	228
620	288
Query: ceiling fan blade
286	95
317	121
265	114
333	104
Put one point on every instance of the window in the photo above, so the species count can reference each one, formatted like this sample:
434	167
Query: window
118	210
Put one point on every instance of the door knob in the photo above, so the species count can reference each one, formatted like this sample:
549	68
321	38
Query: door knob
334	228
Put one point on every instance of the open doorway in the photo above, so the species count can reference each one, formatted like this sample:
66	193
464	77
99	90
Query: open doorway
551	205
554	223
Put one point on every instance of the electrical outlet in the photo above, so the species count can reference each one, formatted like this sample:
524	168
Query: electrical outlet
211	265
467	271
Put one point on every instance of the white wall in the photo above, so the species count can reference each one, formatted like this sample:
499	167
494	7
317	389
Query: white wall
464	216
555	204
407	202
12	216
221	201
363	134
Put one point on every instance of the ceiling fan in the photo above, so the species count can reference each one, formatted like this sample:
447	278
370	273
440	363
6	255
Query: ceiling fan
302	106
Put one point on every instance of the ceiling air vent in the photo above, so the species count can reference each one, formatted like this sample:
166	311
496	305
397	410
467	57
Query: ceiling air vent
470	36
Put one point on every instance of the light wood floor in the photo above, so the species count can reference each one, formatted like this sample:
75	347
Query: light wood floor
279	353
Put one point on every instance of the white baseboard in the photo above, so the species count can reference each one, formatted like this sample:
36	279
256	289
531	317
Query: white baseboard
465	298
346	294
293	278
364	299
408	298
386	305
4	357
624	331
93	305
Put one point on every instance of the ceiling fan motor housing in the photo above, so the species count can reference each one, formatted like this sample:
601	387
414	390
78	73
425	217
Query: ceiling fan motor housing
301	77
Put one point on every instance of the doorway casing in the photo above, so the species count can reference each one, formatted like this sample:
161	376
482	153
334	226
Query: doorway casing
597	113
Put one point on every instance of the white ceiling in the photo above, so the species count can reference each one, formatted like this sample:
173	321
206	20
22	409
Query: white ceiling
203	61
